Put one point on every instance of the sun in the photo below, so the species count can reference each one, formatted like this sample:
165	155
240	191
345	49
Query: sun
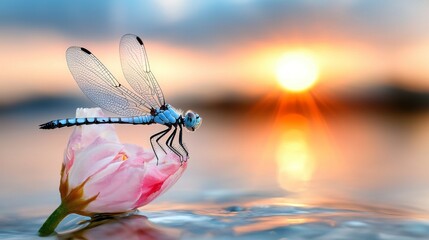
297	70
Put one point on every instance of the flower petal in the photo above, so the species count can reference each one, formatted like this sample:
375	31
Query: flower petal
159	178
92	159
117	187
134	167
83	136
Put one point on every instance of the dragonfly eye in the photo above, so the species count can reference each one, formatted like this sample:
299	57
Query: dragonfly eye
199	122
190	114
192	121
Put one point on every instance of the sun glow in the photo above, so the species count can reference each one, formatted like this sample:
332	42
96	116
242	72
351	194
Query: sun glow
297	70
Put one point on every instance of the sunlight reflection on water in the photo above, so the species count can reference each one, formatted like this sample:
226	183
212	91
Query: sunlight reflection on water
295	159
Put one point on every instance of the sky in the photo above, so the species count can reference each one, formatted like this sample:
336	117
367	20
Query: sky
215	45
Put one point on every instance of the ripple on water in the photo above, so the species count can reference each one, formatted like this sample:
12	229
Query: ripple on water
235	221
291	222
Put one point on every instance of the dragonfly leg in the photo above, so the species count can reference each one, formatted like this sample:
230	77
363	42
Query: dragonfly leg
181	141
162	133
169	144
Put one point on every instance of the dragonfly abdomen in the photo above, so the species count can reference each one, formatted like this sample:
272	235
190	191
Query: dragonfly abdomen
68	122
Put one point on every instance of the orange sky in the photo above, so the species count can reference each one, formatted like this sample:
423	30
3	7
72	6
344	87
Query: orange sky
34	66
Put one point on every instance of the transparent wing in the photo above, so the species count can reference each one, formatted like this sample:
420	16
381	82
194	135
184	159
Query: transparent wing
135	66
101	87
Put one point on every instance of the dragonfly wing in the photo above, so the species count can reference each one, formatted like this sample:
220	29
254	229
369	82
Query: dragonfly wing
100	86
135	66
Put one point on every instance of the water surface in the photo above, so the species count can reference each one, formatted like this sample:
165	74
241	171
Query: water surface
347	176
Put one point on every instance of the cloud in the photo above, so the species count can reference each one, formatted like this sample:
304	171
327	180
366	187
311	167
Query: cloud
219	23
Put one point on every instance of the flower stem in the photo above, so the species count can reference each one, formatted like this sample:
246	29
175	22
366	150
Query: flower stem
53	220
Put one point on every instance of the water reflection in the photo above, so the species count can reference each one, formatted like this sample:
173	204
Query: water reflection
294	155
273	222
130	227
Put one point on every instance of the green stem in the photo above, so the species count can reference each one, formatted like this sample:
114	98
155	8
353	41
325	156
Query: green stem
53	220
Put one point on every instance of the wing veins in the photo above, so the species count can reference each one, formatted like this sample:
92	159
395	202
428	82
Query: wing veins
101	87
135	66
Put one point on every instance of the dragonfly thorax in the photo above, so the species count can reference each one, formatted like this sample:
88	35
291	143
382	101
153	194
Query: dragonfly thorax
192	121
166	115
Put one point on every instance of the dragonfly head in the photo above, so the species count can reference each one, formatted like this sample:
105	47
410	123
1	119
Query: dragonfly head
192	121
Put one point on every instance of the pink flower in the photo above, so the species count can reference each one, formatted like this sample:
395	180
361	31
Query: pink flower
101	175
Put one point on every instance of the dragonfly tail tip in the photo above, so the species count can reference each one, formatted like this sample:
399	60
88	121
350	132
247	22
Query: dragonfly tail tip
48	125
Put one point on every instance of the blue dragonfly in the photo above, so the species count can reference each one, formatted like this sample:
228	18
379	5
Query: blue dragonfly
145	106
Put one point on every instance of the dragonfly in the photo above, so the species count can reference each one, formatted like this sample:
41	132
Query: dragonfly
143	106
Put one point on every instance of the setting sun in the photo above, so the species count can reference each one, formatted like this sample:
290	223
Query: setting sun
297	71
